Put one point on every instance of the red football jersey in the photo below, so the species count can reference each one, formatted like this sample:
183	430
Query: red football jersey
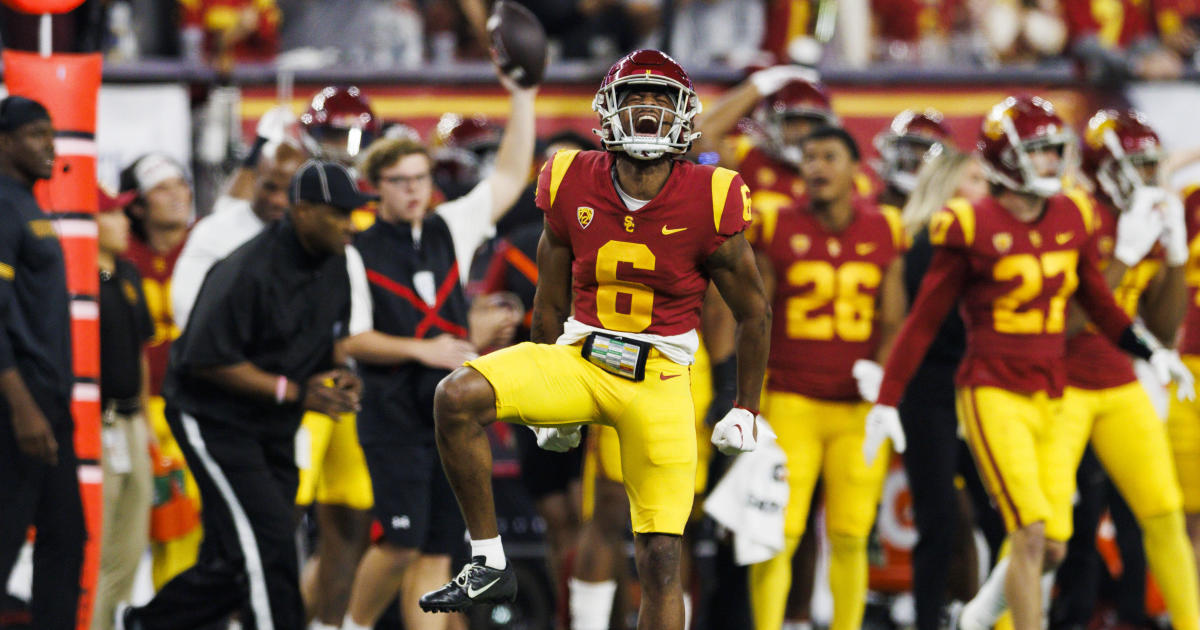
1094	362
1012	281
1117	23
156	270
1189	342
640	271
827	287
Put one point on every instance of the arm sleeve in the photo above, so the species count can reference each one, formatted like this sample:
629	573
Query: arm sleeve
470	223
361	307
940	289
544	202
11	234
730	206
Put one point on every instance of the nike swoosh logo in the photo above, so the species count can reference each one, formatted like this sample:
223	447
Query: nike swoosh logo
663	377
471	592
864	248
667	231
1064	237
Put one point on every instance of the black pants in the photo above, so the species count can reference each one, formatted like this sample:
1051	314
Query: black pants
248	559
47	497
933	458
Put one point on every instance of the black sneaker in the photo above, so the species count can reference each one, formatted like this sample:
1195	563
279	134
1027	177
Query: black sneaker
475	584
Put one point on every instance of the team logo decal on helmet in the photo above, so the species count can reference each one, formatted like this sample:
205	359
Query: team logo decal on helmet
657	130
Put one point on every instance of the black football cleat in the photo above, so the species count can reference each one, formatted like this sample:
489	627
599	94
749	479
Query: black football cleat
475	584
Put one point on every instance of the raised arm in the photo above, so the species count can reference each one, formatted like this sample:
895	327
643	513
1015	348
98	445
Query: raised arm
514	158
716	123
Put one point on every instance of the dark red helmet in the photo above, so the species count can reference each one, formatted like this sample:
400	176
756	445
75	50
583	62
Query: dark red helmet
463	149
1012	130
646	70
339	124
1115	144
796	99
912	139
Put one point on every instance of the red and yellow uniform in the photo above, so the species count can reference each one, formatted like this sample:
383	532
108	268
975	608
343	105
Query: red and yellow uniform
1171	15
218	17
637	274
1105	402
170	556
827	287
1013	281
1117	23
1183	419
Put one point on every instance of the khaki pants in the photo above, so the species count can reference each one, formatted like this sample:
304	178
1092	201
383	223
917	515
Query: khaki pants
128	493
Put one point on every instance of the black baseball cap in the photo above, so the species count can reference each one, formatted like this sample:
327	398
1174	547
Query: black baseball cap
329	183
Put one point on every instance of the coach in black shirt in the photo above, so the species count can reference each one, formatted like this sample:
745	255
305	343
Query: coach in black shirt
258	350
38	481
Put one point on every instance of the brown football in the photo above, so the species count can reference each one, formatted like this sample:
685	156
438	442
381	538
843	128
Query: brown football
518	43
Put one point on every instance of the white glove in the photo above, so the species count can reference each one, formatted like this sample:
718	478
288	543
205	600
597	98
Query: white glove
869	376
883	422
1174	237
735	432
273	126
769	80
1168	368
1140	225
557	439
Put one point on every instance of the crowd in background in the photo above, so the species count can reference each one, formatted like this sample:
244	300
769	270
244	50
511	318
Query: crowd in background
1111	40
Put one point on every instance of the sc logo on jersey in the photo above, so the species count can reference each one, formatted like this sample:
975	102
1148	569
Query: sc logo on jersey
584	214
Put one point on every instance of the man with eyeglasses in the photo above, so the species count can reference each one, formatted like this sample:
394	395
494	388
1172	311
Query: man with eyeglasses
417	256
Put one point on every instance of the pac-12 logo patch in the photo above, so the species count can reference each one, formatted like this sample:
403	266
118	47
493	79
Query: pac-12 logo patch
584	214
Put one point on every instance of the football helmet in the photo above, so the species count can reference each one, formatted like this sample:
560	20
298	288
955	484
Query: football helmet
797	99
646	69
912	139
464	150
1012	130
1115	147
339	124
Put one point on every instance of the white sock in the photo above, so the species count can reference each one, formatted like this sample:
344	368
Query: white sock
797	625
687	611
318	625
1047	590
349	624
492	551
989	603
591	603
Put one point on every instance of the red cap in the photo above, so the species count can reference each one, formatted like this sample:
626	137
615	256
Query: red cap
110	201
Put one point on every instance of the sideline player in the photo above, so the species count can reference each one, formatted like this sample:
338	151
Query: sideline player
833	265
640	234
1014	259
1103	401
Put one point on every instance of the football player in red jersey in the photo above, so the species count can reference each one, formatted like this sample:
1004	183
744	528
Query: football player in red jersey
1013	260
833	264
632	238
1103	402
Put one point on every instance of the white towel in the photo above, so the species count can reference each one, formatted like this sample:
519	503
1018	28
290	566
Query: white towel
751	498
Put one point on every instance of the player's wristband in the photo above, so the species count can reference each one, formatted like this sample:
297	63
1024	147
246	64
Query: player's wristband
724	378
281	384
251	160
753	412
1133	344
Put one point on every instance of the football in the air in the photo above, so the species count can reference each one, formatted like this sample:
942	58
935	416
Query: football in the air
518	43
